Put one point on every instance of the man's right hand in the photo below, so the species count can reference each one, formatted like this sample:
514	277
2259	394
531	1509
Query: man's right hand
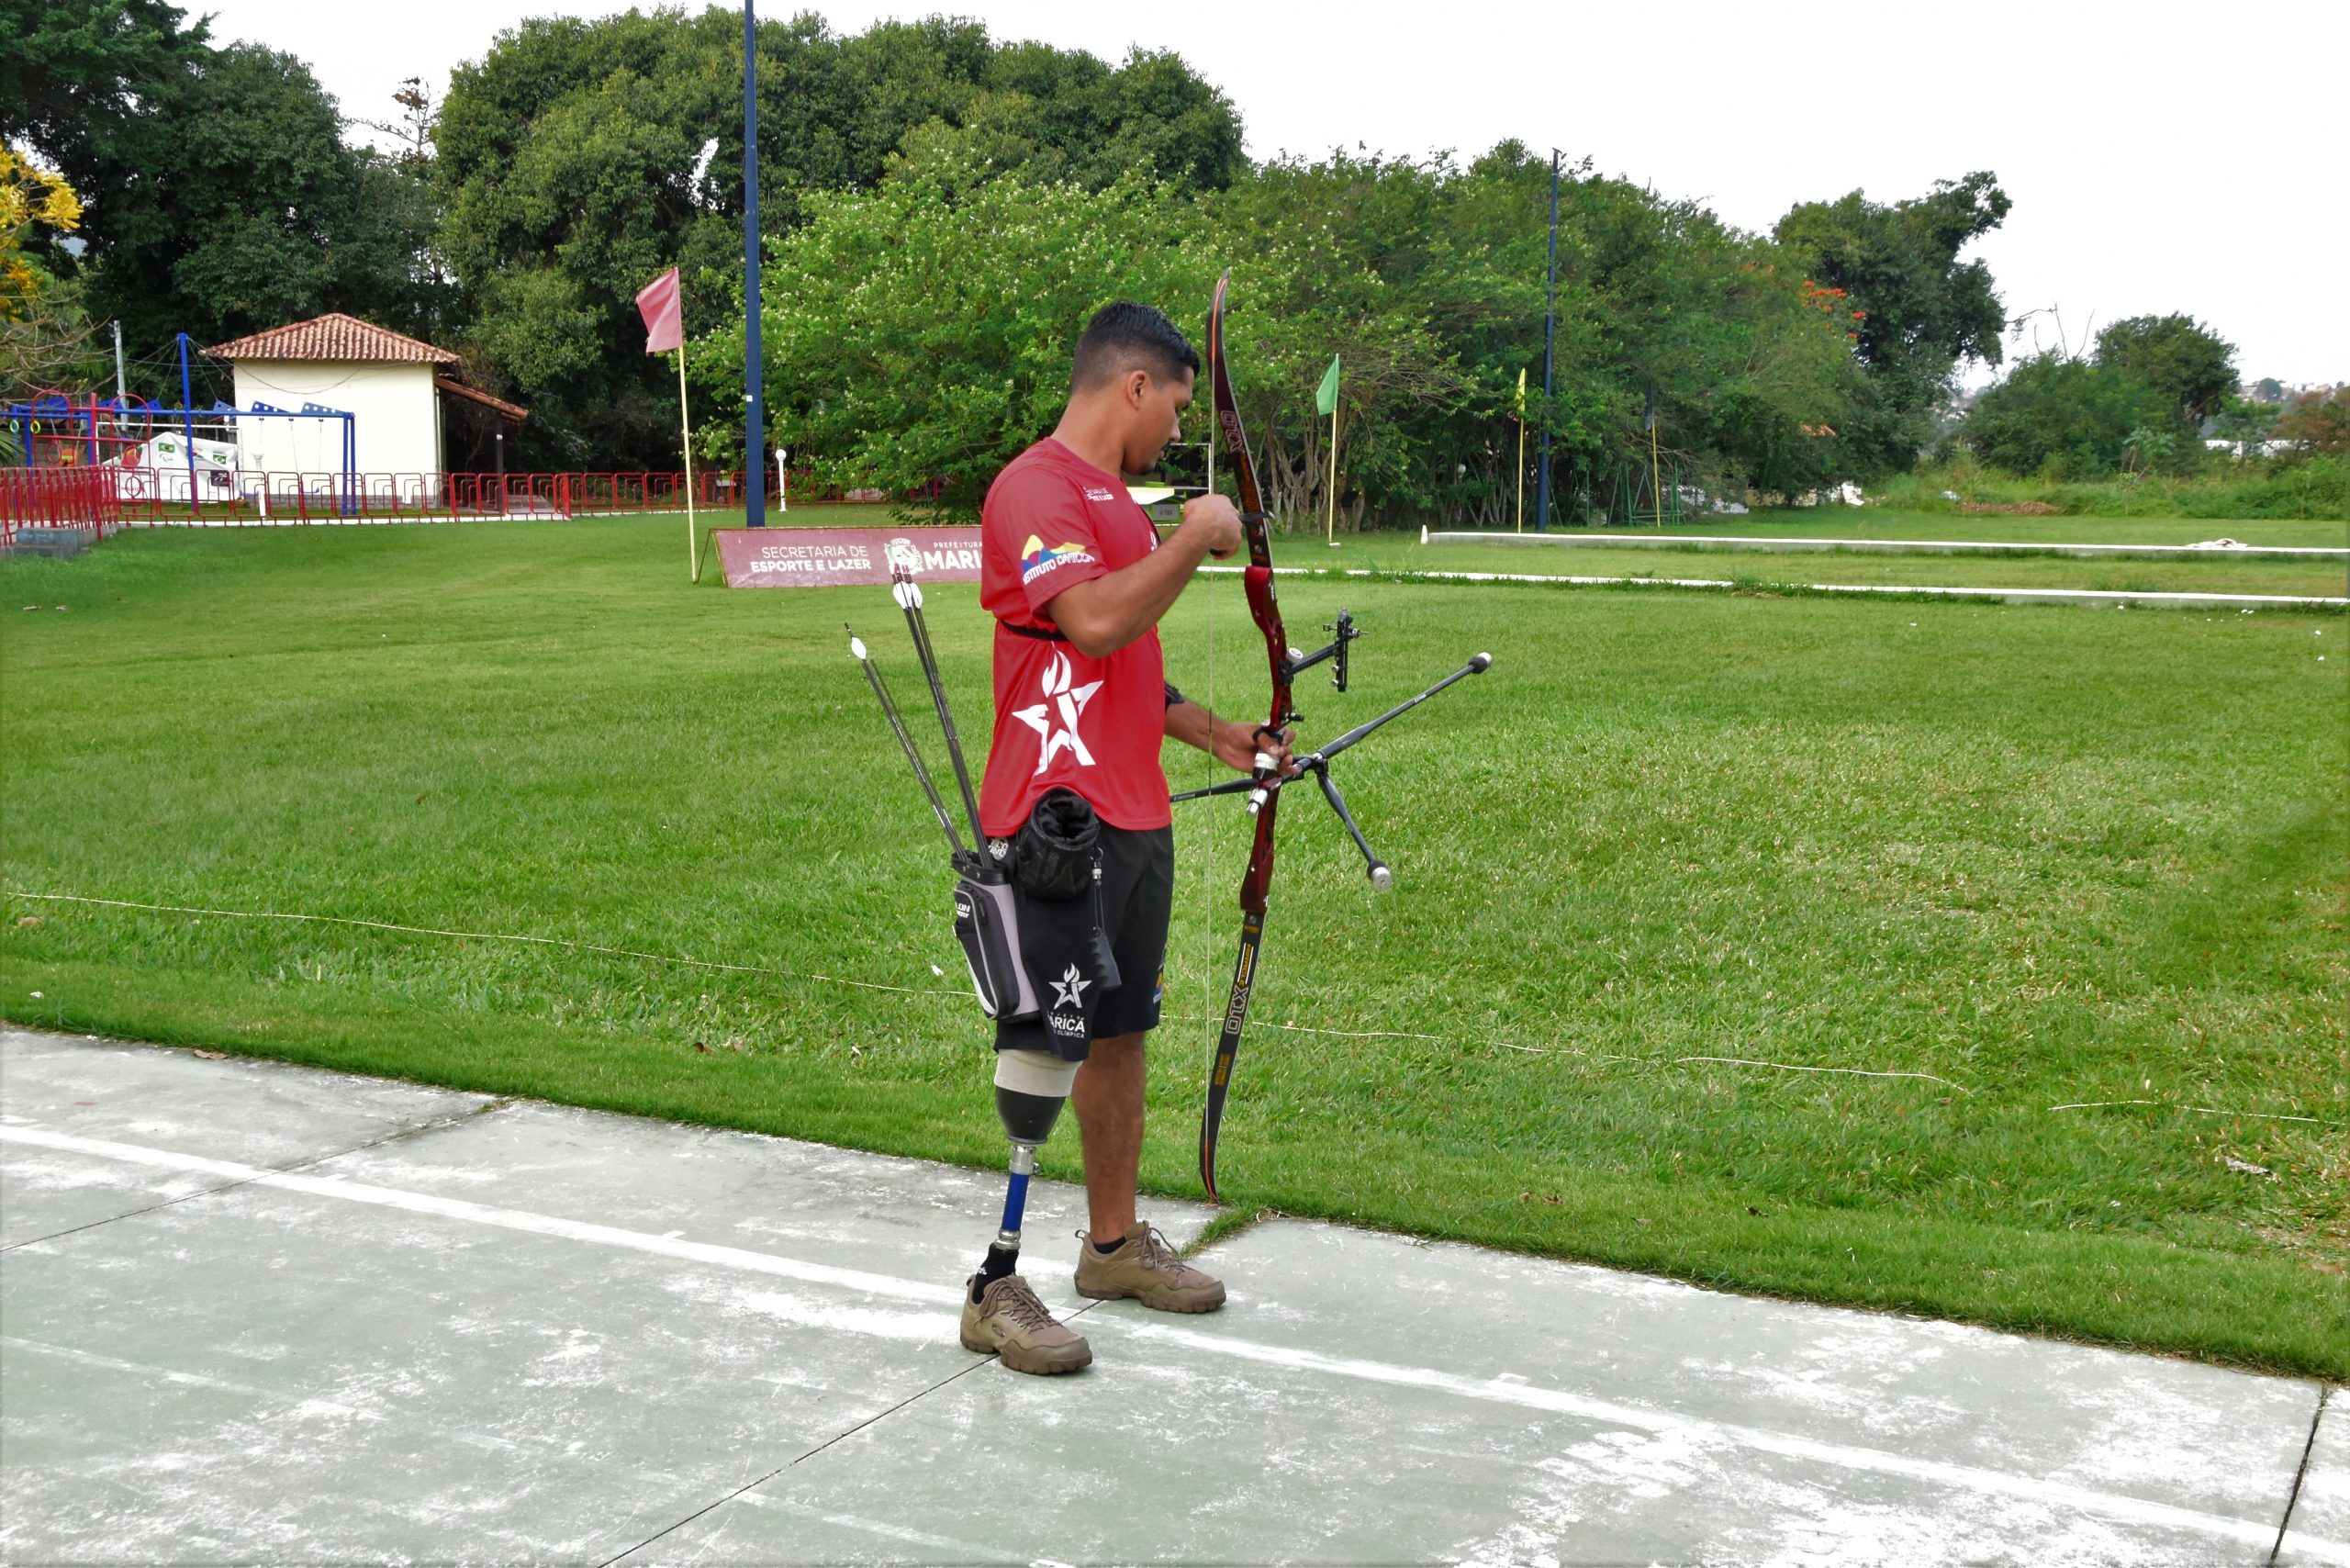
1214	522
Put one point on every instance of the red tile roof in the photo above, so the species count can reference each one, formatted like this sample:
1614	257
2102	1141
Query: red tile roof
333	336
474	395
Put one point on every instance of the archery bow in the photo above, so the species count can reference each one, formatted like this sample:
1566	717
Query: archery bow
1265	782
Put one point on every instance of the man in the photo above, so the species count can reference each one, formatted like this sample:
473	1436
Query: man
1078	581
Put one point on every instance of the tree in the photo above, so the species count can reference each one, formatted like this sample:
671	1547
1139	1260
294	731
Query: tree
2317	424
232	206
2177	356
1924	312
2245	424
2145	446
2066	418
45	335
922	332
568	159
77	73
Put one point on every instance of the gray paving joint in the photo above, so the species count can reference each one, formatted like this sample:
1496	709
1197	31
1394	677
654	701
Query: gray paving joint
403	1329
2301	1474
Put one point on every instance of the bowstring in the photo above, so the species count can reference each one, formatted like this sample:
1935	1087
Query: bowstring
1207	829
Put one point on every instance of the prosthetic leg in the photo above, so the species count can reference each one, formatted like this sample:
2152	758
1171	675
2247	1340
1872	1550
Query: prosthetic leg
1030	1087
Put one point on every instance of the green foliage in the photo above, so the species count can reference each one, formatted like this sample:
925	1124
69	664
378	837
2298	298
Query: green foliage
2177	356
569	153
1924	312
2246	423
923	331
2068	419
1428	280
2145	446
2318	488
2318	423
76	75
221	200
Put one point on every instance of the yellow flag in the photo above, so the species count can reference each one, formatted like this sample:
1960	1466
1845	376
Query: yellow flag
1521	392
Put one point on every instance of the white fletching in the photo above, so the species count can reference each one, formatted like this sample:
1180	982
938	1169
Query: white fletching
856	646
908	595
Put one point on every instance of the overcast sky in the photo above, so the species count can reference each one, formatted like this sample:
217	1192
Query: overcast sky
2161	157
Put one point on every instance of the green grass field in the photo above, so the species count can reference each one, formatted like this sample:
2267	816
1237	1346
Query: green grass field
1676	882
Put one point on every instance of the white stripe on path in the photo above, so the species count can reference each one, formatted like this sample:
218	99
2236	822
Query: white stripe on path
1773	544
483	1214
1969	1478
2171	600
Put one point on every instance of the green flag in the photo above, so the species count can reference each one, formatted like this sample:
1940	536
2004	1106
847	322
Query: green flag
1325	397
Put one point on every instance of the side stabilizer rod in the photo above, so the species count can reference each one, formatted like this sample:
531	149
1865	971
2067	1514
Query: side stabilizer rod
1317	762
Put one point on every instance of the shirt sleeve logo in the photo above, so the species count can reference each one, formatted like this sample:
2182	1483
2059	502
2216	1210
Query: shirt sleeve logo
1069	702
1036	557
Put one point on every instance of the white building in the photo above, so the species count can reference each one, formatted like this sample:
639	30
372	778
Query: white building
390	384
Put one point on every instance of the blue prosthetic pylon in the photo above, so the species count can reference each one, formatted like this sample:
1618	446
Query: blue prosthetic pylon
1029	1088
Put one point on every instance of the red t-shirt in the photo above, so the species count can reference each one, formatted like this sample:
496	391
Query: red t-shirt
1051	520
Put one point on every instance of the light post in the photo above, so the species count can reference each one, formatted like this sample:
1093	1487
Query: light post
755	434
1550	340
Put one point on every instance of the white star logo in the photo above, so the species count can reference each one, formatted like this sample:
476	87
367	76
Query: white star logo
1071	705
1070	990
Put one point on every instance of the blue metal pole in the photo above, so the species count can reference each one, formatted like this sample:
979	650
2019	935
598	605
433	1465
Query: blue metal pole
1550	340
187	424
755	433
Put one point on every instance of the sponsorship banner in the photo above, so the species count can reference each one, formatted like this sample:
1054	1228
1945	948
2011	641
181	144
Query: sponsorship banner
818	557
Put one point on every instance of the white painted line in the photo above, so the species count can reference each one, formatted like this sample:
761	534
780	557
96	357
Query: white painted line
1968	1478
1768	542
2006	595
483	1214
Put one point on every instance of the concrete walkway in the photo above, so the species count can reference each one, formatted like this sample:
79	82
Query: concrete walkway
259	1313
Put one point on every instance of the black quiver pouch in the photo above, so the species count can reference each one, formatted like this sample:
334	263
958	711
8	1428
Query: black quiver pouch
987	924
1064	952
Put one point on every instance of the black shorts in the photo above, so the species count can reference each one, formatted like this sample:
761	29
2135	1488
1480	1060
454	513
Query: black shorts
1138	896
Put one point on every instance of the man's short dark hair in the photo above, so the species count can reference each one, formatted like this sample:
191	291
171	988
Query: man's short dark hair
1126	336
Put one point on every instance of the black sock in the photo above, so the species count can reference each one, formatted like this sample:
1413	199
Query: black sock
999	1263
1106	1248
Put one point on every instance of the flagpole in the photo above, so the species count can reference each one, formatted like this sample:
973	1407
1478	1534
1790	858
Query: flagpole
686	429
1656	490
1521	449
1521	473
1330	533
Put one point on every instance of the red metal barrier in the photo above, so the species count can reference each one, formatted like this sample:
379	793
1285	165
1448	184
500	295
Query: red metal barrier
85	498
105	496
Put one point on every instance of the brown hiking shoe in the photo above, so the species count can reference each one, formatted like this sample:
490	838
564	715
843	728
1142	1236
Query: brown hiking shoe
1144	1267
1010	1323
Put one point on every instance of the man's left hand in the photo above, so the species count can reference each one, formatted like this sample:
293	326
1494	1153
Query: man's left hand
1237	741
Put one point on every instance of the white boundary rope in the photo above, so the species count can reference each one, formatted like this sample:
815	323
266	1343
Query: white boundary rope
2199	1110
958	994
490	936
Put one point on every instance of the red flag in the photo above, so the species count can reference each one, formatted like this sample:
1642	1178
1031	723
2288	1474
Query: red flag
665	328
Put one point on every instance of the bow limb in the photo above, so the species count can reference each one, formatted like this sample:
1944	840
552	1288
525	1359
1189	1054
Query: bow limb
1264	608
